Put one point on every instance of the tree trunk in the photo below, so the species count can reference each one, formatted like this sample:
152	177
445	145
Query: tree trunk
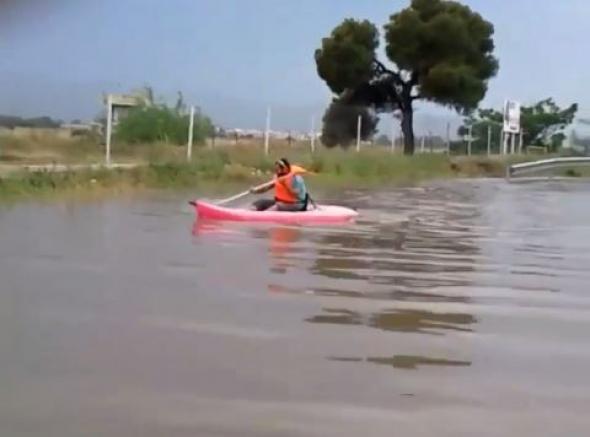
408	130
407	109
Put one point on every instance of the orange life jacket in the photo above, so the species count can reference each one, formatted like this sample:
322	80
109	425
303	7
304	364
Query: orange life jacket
283	184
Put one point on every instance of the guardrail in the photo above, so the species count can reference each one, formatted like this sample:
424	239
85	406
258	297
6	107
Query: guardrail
545	164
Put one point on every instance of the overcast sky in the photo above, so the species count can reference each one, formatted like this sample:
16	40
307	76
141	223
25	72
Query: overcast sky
235	57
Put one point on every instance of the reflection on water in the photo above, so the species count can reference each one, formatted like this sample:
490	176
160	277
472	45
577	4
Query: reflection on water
406	362
421	243
413	362
399	320
281	249
454	309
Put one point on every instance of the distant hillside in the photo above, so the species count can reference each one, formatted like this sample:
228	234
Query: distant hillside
10	121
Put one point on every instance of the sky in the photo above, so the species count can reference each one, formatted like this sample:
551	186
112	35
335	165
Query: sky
233	58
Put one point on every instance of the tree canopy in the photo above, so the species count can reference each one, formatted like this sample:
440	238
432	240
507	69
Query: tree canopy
440	51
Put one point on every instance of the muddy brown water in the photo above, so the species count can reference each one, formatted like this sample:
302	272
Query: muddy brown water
455	309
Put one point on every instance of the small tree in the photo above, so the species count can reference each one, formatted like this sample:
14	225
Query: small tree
341	124
441	51
180	106
543	124
383	140
160	123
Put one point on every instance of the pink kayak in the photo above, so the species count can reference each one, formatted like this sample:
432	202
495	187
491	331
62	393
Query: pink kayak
323	214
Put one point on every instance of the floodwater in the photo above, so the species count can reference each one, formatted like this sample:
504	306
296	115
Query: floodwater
454	309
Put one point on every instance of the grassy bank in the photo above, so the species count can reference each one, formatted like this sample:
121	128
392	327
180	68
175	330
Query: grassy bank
227	168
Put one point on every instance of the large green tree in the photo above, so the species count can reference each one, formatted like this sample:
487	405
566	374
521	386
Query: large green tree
542	123
440	51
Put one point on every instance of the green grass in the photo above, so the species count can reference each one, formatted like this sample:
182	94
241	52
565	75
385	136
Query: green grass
227	166
243	166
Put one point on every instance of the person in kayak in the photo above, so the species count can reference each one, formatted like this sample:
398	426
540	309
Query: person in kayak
290	190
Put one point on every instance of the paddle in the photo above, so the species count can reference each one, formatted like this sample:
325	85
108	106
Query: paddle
240	195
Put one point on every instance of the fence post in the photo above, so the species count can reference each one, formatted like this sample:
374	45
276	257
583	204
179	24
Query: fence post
359	126
267	132
109	129
191	125
312	134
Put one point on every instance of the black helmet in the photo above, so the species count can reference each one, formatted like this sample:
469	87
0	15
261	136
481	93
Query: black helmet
284	163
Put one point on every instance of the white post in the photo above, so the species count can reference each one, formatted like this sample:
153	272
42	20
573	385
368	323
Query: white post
109	129
469	140
448	138
312	134
359	125
422	144
512	143
393	136
520	143
191	125
504	143
267	132
489	140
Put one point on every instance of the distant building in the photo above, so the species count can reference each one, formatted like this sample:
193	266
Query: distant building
80	128
245	133
257	133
